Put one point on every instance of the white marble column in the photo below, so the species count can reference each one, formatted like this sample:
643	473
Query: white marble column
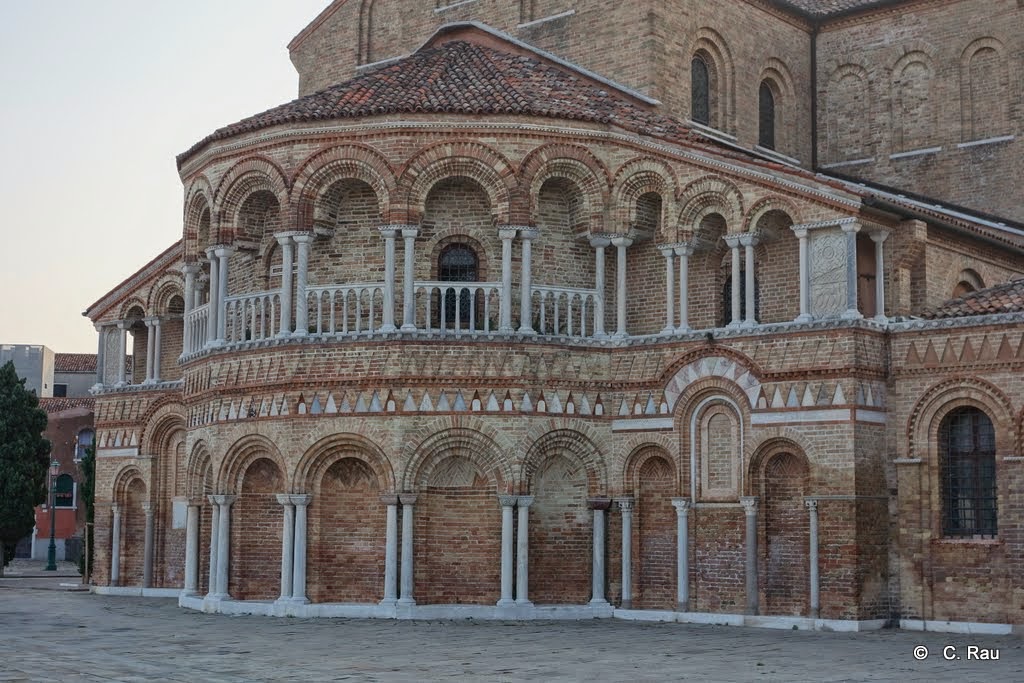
101	357
599	244
850	230
879	237
684	252
212	311
626	507
749	504
115	545
191	549
284	240
223	544
223	254
682	506
507	521
621	243
805	275
211	579
409	279
506	235
599	506
147	547
523	552
733	242
189	270
749	240
122	356
157	356
287	546
390	550
150	340
303	243
388	233
669	253
301	503
527	235
406	597
815	607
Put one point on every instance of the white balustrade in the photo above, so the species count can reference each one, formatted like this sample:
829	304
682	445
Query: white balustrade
251	317
197	321
457	307
564	311
346	309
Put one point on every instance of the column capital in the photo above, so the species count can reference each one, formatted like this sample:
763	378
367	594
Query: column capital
799	230
811	503
123	324
284	498
224	250
527	233
194	501
388	232
750	239
507	501
300	499
190	268
749	504
507	232
210	252
115	508
303	237
732	241
223	499
410	231
389	499
100	327
524	501
850	226
284	238
149	508
599	503
682	505
622	241
407	498
879	236
599	240
684	249
667	250
626	503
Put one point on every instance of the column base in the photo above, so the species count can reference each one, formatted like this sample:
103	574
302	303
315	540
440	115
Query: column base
881	319
599	335
408	327
218	597
619	335
803	318
388	602
300	601
388	328
214	343
524	603
299	333
668	329
526	329
189	594
683	330
851	314
506	329
283	600
682	606
815	613
406	602
626	604
599	602
506	602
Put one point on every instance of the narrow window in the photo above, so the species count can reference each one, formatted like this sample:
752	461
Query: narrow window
64	492
457	263
766	116
968	463
700	91
726	309
84	441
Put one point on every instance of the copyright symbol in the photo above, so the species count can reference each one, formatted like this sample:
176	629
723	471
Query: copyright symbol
920	653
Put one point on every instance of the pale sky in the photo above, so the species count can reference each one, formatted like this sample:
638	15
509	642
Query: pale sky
96	99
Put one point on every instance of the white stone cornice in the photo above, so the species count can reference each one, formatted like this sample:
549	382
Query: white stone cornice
835	223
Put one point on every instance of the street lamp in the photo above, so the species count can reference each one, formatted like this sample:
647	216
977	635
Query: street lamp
51	555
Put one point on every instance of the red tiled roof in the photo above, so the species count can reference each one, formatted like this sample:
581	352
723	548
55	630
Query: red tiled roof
821	9
57	405
459	77
74	362
1004	298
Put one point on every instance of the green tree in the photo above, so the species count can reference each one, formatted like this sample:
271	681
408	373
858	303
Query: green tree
24	459
88	467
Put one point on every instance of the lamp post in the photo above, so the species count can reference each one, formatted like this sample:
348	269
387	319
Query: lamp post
51	554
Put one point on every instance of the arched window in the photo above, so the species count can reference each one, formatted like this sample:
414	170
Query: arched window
64	492
700	91
766	116
83	442
727	316
967	452
457	263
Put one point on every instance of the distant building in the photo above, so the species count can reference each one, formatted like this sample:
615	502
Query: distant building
32	362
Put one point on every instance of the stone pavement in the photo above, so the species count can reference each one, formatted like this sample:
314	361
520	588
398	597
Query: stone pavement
60	636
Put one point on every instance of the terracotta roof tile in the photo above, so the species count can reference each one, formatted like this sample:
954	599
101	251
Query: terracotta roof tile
57	405
1004	298
74	362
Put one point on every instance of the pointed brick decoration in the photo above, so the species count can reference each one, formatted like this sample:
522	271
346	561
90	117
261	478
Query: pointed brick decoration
650	408
913	358
460	403
507	404
285	409
791	398
426	405
1005	351
570	405
598	405
301	405
375	406
949	356
542	404
330	407
315	408
475	404
839	398
390	404
344	406
360	403
585	405
232	411
931	358
492	403
555	403
443	406
409	405
967	354
526	405
808	397
986	353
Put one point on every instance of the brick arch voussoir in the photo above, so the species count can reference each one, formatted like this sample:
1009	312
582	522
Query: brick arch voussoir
197	468
640	453
744	361
957	392
475	446
573	441
135	301
164	417
710	192
243	453
593	189
319	457
637	177
248	175
765	447
340	162
168	286
446	159
123	479
771	203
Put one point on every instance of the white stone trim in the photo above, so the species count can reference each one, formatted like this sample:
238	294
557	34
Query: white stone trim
137	591
544	20
130	452
962	627
777	156
644	423
851	162
875	416
986	141
916	152
790	416
460	3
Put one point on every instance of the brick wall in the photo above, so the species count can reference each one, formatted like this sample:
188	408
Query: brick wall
561	528
654	544
257	520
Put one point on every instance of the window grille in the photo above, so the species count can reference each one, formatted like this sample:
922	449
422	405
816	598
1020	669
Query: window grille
968	464
766	116
700	91
457	263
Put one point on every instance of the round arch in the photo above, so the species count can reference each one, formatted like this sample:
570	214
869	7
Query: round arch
243	453
468	443
319	457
